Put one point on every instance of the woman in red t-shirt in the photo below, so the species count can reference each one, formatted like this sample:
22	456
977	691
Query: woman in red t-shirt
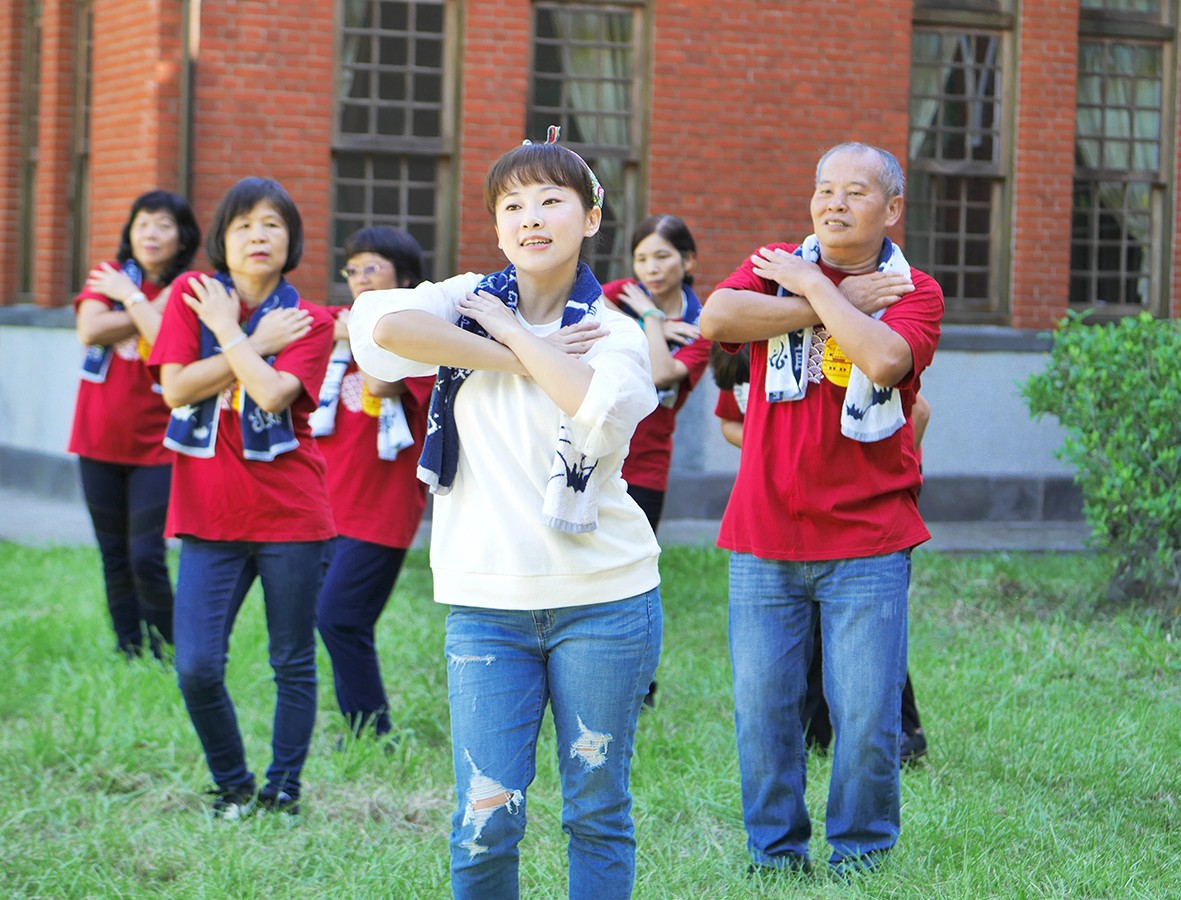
661	299
120	417
371	434
241	357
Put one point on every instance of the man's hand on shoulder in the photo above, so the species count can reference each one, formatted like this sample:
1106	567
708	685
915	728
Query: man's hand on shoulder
793	273
876	290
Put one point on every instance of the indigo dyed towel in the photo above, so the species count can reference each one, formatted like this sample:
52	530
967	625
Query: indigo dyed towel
571	502
192	429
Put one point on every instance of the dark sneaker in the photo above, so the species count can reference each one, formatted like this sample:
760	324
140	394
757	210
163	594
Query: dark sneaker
278	802
792	865
913	747
650	697
852	867
232	805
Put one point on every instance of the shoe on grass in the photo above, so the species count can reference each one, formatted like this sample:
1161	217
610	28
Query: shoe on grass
278	802
232	805
790	864
913	747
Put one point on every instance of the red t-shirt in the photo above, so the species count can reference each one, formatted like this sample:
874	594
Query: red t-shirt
804	491
122	420
375	500
230	498
727	407
650	455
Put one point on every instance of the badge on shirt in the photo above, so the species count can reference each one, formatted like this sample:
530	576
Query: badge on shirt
835	365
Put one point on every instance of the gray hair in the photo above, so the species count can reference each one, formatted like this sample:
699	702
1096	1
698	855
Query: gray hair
890	175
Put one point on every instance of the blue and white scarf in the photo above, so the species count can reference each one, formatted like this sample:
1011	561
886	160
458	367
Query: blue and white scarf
571	501
192	429
393	431
97	360
871	412
690	315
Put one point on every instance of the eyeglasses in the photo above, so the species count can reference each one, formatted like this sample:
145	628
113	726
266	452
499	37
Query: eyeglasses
350	272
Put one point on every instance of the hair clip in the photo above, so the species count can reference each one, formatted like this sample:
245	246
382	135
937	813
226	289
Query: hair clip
552	133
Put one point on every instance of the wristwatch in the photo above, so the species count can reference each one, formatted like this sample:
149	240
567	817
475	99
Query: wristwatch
137	297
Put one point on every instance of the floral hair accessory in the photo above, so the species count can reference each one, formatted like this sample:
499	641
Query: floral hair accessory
551	137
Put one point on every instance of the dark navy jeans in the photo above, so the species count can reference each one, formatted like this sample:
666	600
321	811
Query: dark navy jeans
128	505
212	582
356	589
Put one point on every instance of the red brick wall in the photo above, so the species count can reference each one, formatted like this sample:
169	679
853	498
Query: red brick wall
745	103
11	19
1043	163
495	91
263	106
134	136
741	105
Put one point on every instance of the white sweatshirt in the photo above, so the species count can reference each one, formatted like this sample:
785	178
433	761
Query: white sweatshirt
489	545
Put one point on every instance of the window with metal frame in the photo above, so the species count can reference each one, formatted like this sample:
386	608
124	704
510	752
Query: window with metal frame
1121	180
957	172
588	77
394	138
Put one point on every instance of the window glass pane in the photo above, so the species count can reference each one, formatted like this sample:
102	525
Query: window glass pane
584	80
428	18
390	110
394	51
391	120
955	95
395	16
1119	140
407	72
1124	6
955	127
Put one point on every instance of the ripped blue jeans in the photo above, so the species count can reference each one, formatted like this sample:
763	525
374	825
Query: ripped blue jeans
593	665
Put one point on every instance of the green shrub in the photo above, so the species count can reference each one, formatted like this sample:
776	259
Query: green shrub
1116	390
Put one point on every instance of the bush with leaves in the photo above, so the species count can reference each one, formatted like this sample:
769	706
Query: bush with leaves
1116	390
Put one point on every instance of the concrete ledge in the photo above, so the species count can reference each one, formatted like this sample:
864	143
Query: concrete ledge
945	498
993	339
692	496
40	474
37	316
1000	498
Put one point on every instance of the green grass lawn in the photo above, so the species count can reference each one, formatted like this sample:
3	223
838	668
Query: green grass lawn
1054	769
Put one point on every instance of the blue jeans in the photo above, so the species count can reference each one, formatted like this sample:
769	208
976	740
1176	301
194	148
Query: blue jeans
862	608
128	505
356	589
212	582
593	665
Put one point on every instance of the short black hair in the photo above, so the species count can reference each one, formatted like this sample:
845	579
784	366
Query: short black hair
394	244
539	164
729	369
674	230
187	229
240	199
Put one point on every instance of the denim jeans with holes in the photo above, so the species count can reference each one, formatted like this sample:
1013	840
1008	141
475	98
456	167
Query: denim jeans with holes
592	665
862	608
212	582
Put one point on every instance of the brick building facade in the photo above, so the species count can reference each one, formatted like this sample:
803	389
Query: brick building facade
1040	136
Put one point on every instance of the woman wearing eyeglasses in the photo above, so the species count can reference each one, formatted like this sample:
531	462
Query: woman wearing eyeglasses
371	434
